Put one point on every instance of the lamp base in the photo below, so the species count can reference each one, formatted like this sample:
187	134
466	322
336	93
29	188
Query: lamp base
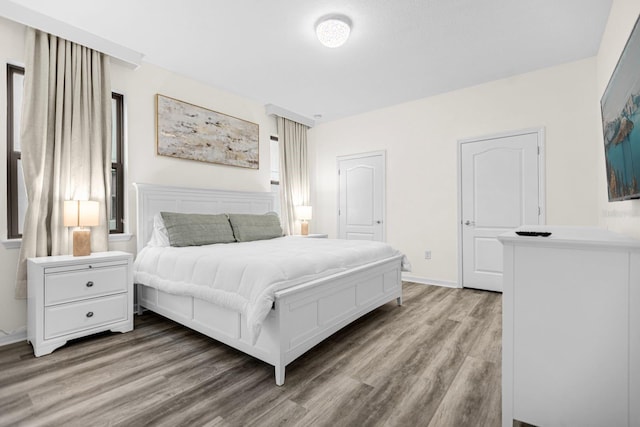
304	228
81	243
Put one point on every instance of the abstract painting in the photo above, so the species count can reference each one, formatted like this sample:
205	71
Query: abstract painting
191	132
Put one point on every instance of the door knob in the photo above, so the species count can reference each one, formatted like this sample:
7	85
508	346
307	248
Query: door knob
378	222
467	222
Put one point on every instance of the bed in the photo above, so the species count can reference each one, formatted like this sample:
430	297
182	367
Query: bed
300	316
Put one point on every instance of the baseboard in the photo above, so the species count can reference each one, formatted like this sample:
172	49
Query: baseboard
15	336
426	281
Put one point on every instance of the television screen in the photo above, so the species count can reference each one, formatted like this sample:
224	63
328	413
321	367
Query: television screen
620	106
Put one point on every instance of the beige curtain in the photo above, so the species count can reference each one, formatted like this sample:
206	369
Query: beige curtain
66	143
294	171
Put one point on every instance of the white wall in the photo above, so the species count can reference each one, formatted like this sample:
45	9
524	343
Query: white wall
143	165
421	137
623	217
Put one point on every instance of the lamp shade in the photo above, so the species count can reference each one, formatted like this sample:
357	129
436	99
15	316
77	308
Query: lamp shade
70	216
303	212
89	213
81	213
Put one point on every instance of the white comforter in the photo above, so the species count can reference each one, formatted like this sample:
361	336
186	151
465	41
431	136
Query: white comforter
245	276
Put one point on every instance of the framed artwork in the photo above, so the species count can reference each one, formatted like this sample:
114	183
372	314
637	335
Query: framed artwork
620	106
187	131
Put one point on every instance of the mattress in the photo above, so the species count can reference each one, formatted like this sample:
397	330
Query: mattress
245	276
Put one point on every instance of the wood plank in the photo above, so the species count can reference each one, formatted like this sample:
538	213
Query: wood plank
435	360
473	398
488	346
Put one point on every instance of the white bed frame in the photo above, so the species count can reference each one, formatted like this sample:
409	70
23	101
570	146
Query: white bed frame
302	316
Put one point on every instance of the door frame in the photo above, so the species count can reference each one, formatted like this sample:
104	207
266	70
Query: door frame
382	153
541	180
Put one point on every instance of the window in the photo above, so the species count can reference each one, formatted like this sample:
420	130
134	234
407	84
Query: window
16	191
275	160
275	170
116	221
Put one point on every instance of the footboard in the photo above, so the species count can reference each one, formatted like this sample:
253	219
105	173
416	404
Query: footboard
309	313
303	316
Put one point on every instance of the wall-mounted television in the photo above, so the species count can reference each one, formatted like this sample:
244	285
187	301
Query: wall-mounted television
620	106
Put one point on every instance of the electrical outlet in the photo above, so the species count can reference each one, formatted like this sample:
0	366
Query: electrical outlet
427	254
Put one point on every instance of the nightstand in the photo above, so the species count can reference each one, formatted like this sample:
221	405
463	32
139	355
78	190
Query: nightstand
71	297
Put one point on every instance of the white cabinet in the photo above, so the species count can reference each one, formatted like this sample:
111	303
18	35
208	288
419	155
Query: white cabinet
571	329
70	297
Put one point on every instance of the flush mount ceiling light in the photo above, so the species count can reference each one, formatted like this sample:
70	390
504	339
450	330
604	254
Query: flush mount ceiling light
333	31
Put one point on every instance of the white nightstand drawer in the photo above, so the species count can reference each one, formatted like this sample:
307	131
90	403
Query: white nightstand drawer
82	284
76	316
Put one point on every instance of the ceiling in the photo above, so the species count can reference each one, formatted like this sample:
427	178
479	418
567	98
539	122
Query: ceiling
398	51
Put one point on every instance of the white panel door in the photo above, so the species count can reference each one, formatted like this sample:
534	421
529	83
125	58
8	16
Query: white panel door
499	191
361	197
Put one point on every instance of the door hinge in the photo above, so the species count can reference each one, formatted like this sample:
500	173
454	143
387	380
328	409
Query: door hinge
538	150
338	212
539	211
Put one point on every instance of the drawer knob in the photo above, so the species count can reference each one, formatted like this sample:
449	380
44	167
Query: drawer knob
89	284
90	314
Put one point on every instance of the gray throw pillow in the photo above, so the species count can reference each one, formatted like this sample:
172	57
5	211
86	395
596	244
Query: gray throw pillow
248	227
197	229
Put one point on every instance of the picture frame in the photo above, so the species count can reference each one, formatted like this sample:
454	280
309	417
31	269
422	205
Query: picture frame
192	132
620	108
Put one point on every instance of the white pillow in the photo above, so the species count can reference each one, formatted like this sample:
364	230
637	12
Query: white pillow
159	235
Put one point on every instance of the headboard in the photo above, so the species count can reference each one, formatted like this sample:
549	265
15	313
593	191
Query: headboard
152	199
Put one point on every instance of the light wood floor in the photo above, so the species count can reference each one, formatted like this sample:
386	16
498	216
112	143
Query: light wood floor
433	362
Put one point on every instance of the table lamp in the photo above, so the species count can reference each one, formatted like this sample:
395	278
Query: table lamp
304	215
81	213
